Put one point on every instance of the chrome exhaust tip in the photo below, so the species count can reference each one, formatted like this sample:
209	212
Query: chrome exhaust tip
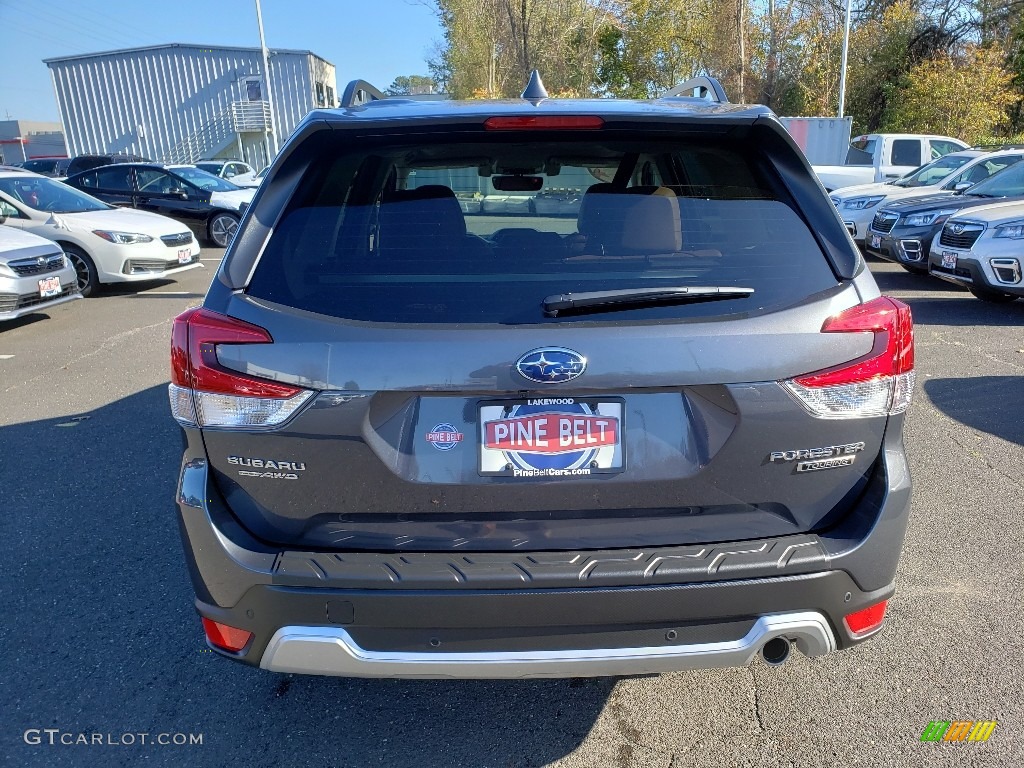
775	651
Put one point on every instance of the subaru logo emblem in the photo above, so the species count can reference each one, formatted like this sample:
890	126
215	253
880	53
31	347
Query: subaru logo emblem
40	261
957	229
551	365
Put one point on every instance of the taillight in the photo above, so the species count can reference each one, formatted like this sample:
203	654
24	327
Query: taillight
866	620
878	384
204	393
227	638
543	123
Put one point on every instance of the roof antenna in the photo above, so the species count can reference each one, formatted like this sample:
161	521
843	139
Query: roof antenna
535	91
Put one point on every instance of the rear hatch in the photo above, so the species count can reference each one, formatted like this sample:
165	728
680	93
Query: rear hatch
542	340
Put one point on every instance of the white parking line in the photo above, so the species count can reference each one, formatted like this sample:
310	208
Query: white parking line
171	293
210	259
6	357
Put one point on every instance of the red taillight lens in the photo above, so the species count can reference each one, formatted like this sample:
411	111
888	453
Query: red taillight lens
205	393
194	339
866	620
893	351
229	638
544	123
877	384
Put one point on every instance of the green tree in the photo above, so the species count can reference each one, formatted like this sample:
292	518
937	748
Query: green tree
880	56
406	85
962	95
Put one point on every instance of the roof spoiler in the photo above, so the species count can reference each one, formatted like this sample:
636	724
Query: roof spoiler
700	88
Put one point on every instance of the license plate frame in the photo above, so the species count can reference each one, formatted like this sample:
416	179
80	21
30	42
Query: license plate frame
876	241
49	287
949	259
551	438
184	255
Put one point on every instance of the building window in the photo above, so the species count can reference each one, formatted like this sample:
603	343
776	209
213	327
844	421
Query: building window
320	95
332	103
254	89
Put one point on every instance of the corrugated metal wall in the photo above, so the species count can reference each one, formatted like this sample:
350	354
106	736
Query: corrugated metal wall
173	103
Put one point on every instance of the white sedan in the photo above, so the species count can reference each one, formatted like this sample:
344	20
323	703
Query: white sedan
34	275
104	244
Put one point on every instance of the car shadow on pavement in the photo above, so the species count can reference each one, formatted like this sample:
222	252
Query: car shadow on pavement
108	640
964	311
21	322
901	280
992	404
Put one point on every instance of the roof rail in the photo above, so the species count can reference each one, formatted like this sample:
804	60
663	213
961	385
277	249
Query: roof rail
359	92
701	88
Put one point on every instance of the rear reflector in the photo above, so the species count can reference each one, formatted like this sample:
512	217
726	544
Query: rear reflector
544	123
866	620
878	384
225	637
205	393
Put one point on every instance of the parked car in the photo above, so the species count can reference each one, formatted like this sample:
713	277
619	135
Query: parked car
877	157
982	250
34	275
48	166
956	171
88	162
211	207
251	179
103	243
903	231
234	171
659	435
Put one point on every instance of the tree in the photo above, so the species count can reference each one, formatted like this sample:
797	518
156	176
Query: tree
490	47
880	56
965	96
407	85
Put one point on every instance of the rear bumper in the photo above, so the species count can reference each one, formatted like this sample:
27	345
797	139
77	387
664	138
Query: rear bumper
332	650
553	614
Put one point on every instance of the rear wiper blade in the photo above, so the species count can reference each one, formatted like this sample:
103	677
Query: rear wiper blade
609	301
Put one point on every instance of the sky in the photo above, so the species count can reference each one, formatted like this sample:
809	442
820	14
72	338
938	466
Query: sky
372	40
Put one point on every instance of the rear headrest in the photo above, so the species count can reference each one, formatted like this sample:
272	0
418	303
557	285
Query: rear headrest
652	222
428	212
633	219
595	209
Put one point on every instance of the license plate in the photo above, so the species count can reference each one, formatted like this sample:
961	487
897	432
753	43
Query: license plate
876	241
949	259
49	286
184	255
551	437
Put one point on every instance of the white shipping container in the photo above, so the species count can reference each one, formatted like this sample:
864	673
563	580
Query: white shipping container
824	140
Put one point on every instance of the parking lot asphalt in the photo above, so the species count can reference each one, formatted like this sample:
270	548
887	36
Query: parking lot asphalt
99	636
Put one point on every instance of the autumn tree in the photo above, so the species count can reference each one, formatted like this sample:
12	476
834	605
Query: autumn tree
491	46
965	96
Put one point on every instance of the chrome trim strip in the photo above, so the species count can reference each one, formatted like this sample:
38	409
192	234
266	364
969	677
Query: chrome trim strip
333	651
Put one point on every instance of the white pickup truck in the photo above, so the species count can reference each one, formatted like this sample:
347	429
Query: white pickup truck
877	157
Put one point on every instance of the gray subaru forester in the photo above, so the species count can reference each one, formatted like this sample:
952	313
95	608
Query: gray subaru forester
541	388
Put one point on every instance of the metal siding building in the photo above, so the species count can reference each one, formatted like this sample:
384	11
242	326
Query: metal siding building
182	103
27	139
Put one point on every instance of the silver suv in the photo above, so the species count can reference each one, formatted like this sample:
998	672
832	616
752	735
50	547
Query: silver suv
437	426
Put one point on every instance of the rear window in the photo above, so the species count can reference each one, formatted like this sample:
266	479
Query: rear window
435	231
861	152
